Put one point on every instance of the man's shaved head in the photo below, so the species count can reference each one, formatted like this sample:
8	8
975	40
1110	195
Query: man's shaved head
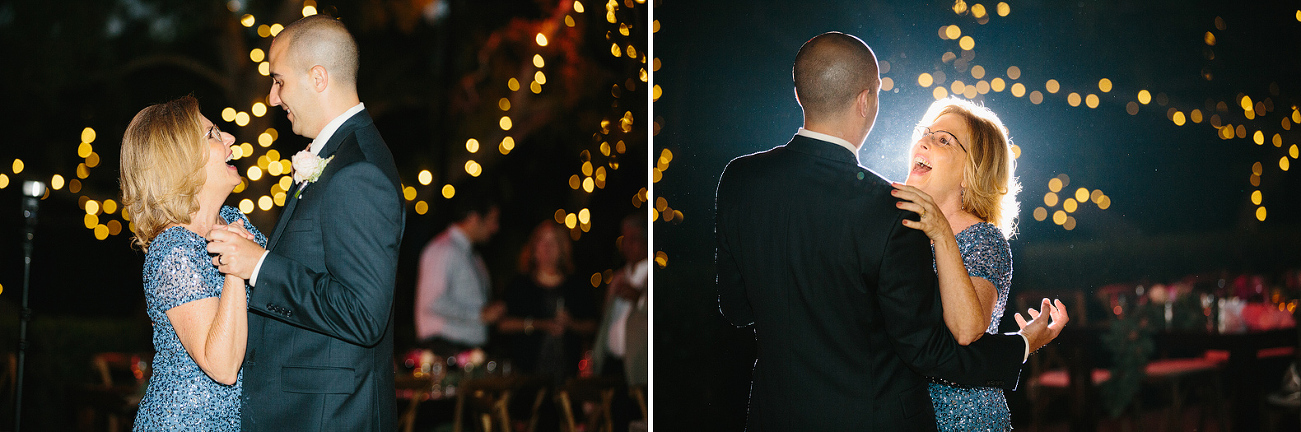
322	40
830	71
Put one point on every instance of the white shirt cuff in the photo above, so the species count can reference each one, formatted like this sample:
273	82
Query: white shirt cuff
1023	359
252	281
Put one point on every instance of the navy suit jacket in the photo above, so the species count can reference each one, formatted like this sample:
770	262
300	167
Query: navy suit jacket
320	339
843	298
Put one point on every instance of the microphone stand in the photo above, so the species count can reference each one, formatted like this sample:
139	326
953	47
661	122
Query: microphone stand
32	193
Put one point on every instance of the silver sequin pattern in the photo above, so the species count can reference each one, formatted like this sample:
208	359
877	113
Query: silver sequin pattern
986	254
180	397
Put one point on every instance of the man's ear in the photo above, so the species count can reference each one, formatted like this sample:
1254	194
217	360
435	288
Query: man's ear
320	78
863	101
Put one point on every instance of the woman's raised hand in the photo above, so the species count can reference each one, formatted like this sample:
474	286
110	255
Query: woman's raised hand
932	220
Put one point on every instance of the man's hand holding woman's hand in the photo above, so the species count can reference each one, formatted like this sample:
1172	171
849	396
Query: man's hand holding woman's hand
237	252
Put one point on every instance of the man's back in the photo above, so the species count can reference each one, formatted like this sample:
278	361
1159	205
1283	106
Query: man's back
842	296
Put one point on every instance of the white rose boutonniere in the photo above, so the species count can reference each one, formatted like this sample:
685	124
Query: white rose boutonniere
308	168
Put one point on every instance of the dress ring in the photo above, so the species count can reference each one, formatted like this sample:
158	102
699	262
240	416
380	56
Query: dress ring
221	260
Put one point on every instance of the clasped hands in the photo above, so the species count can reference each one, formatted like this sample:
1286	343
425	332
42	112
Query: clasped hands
237	253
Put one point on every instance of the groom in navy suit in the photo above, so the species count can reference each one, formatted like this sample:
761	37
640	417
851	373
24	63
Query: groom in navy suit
842	297
320	337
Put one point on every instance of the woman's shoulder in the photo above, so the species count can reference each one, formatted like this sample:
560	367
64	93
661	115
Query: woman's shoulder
231	214
175	240
982	231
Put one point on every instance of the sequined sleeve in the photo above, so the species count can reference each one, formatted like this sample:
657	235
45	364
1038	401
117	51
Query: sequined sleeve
987	255
177	277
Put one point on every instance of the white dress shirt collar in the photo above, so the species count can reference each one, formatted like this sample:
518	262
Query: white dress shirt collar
332	127
828	138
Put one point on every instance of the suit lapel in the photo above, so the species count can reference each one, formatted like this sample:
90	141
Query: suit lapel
290	204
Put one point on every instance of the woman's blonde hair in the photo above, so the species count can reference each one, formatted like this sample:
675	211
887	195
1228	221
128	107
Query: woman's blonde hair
990	170
527	261
163	155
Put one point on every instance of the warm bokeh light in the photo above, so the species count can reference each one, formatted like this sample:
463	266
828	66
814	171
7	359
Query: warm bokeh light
56	182
473	168
541	39
309	11
4	182
259	109
1258	137
409	193
953	32
254	173
1256	197
1055	184
109	206
513	84
1004	9
1050	199
1073	99
257	55
1018	89
1070	223
1082	194
276	28
247	20
1053	86
1178	118
265	203
425	177
925	80
1144	97
92	207
18	166
1260	213
1104	85
967	43
1036	97
1284	163
472	145
887	84
1059	217
84	150
1040	214
940	93
1014	72
422	207
449	191
241	119
1070	205
90	221
88	135
997	84
246	206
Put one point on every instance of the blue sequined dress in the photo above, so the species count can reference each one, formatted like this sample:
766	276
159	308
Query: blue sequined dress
180	396
987	255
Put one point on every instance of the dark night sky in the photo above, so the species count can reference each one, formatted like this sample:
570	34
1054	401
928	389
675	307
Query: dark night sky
1180	195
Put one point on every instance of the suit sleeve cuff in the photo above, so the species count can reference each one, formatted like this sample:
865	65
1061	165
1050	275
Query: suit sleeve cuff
252	281
1023	359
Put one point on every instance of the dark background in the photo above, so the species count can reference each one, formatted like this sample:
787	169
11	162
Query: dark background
432	74
1180	195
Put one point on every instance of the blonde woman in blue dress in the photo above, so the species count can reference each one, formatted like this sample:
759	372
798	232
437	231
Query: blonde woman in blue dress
175	178
960	182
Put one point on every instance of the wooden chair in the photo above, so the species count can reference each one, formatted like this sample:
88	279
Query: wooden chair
486	401
593	397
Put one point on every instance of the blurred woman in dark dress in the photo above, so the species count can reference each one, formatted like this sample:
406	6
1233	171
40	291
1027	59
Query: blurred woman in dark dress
549	314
